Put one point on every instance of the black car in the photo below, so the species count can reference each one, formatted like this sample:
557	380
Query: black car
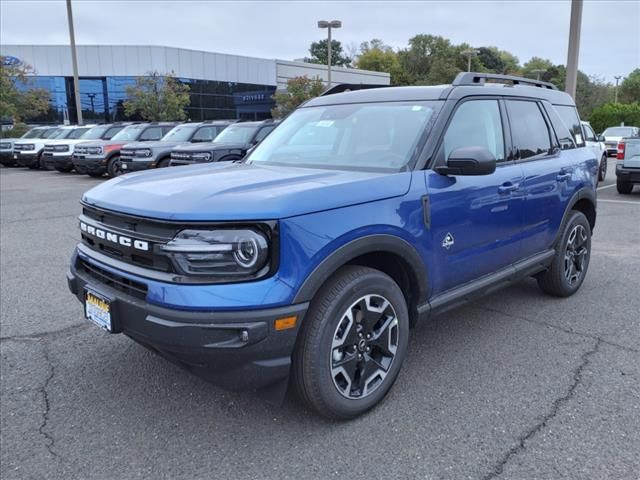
232	144
145	155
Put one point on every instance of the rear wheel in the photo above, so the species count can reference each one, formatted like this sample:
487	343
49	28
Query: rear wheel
602	174
571	261
352	343
114	167
624	187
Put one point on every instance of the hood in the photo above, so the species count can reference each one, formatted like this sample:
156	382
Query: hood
157	144
236	191
69	141
210	146
102	143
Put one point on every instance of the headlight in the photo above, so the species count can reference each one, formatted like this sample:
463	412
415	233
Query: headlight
145	152
201	156
94	150
234	254
27	146
61	148
5	146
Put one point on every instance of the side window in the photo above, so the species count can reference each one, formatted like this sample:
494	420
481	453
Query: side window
529	129
153	133
205	134
263	133
588	133
476	123
569	116
564	136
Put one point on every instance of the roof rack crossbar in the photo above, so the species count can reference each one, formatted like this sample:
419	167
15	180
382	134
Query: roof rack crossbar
477	78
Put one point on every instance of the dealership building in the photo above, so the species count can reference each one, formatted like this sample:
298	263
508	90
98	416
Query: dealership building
222	86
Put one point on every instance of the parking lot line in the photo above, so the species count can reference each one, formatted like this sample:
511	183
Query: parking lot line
620	201
606	186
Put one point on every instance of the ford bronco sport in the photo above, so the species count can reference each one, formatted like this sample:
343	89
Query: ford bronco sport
145	155
360	215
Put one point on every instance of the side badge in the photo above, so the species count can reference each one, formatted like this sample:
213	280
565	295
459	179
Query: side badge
448	241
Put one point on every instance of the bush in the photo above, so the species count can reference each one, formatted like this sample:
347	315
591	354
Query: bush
613	114
17	131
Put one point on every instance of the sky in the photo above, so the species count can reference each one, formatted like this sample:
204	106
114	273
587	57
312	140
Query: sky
610	39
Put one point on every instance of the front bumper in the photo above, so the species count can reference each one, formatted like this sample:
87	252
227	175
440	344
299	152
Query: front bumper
129	165
628	175
27	159
237	350
6	158
57	161
86	164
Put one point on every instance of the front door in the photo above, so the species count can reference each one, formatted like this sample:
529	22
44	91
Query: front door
475	220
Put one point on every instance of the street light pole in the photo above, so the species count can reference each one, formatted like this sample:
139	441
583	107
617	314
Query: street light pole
74	61
617	77
329	25
469	53
574	47
538	72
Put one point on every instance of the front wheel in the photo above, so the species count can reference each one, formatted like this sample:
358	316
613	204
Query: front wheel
352	343
602	174
571	261
114	167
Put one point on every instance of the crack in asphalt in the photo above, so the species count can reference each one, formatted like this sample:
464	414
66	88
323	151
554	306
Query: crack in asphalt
520	446
50	333
49	441
562	329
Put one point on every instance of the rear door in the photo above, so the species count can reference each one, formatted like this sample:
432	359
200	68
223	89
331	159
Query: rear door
475	220
548	172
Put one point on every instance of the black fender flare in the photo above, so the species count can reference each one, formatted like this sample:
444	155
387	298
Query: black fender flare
361	246
582	194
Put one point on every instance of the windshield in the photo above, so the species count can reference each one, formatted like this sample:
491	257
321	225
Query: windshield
618	132
94	133
52	133
33	133
78	133
379	136
182	133
128	133
236	134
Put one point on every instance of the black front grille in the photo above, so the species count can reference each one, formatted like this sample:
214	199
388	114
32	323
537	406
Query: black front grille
118	282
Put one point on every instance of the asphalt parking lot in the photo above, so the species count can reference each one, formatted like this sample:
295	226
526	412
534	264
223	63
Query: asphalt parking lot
517	386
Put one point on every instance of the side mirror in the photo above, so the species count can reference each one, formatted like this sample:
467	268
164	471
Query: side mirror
600	138
469	161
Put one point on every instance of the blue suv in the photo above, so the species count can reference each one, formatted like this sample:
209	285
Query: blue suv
360	215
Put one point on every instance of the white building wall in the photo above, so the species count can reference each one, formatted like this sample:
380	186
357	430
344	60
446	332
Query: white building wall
138	60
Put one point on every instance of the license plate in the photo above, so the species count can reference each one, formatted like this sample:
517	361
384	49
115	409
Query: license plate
97	308
123	166
15	156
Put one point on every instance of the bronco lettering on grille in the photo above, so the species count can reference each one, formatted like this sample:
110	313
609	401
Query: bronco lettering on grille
114	237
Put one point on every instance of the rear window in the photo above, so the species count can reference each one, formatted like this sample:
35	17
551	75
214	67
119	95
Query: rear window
569	116
528	129
618	132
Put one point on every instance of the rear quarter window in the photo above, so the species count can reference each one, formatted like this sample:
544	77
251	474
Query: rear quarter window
570	118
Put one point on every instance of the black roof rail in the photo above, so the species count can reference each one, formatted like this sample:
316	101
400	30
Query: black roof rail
346	87
477	78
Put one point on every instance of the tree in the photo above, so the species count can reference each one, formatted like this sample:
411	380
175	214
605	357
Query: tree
630	88
319	53
17	100
157	98
299	90
377	56
613	114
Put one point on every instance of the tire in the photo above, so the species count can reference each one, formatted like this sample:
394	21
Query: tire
571	261
624	188
602	174
333	328
164	163
113	167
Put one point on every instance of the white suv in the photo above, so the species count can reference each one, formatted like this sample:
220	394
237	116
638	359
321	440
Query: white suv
596	144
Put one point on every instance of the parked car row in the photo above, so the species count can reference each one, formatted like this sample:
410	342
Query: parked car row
118	148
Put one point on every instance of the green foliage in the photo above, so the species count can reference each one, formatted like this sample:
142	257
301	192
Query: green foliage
299	90
17	131
379	57
612	114
630	87
17	103
319	53
157	98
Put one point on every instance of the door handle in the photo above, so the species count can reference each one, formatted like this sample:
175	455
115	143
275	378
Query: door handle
563	175
507	187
